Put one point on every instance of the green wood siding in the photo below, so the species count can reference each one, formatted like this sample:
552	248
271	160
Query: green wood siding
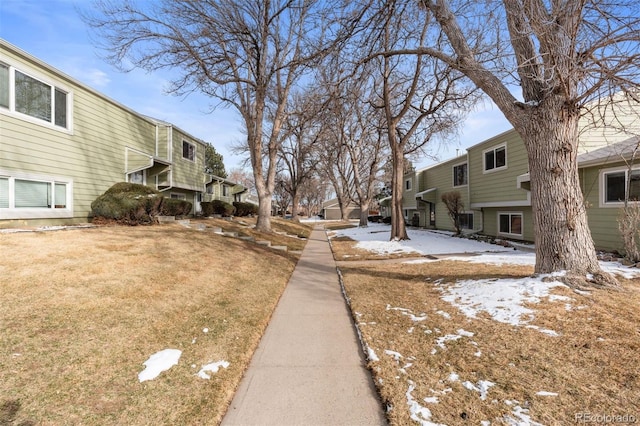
603	221
490	219
187	174
498	187
91	153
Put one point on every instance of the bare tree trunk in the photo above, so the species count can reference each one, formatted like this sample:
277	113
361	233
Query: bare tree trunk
398	228
294	206
364	214
563	237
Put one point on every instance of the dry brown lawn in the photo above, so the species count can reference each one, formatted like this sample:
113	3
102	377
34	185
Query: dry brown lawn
286	233
593	366
81	310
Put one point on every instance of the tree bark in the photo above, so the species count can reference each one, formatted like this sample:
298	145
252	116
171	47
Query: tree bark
398	228
364	214
563	237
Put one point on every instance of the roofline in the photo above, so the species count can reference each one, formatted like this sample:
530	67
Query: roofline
6	45
15	49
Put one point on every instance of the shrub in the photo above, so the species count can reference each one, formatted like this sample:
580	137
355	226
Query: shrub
175	207
217	207
128	203
245	209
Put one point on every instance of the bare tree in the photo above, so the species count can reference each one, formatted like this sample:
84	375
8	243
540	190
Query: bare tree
243	177
314	192
421	97
563	55
357	128
244	53
281	196
300	139
455	207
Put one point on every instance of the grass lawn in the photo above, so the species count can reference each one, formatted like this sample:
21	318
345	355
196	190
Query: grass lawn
82	310
435	362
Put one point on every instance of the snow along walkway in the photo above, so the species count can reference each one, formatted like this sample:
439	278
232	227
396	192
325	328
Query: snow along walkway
309	368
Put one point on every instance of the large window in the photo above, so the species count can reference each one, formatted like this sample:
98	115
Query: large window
33	97
510	223
620	185
495	158
38	195
460	176
188	151
407	185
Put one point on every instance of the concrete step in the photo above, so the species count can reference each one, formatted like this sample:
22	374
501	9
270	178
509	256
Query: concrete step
230	234
281	248
263	243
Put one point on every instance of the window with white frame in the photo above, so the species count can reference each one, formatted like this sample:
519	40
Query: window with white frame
225	191
466	220
33	97
620	185
178	196
188	151
460	176
407	185
18	193
137	177
510	223
495	158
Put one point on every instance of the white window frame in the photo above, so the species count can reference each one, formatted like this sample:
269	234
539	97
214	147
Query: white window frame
178	196
603	186
494	149
184	141
144	176
408	184
510	234
11	111
37	212
453	170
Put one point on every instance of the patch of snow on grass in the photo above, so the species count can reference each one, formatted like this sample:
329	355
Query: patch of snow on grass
444	314
212	368
545	393
159	362
395	355
372	355
482	387
522	418
419	413
375	238
503	299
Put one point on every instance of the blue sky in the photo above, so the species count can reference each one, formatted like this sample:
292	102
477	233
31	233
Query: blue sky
52	31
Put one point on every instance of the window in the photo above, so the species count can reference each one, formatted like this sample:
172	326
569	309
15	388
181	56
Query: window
495	158
18	193
137	177
616	189
33	97
225	191
4	86
466	220
188	151
407	185
178	196
510	223
4	193
460	175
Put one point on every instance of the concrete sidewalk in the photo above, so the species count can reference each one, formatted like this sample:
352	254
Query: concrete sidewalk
308	368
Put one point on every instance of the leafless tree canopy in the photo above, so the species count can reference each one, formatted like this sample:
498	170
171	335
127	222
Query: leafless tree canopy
244	53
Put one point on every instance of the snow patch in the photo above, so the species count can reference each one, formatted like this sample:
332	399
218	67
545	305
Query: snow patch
212	368
159	362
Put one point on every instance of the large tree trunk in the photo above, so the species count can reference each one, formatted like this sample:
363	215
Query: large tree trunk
294	206
364	214
263	223
563	237
398	228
